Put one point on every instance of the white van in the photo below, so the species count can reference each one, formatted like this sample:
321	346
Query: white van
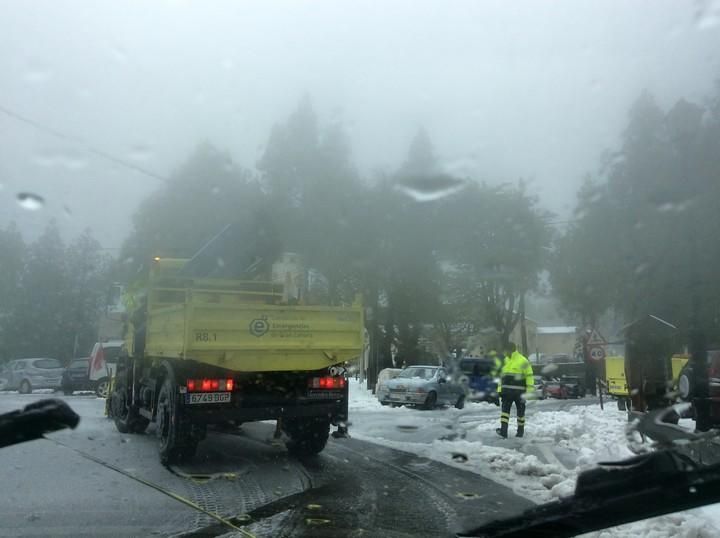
384	376
103	362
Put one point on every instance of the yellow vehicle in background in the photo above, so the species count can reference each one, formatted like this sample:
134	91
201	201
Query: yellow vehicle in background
202	350
616	381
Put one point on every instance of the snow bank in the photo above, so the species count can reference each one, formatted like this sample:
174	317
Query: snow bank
542	467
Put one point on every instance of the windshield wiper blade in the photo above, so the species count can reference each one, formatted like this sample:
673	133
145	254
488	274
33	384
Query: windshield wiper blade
35	420
615	493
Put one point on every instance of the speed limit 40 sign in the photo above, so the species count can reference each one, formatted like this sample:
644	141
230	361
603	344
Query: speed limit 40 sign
597	353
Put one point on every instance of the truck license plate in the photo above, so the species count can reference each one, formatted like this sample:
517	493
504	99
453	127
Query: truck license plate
207	397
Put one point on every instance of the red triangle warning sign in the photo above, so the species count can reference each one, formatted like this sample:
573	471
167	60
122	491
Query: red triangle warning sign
596	339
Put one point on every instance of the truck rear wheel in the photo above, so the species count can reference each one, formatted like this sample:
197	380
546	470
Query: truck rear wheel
126	419
176	444
308	436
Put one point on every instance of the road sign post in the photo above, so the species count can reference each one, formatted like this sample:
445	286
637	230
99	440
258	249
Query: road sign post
595	346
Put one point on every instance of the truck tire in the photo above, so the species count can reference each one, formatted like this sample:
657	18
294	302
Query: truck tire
176	444
685	385
308	436
126	419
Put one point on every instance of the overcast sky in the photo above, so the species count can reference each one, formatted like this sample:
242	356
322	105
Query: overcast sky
506	90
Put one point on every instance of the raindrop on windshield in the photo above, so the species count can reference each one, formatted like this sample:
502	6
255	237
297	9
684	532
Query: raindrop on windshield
429	188
140	152
549	368
30	201
708	14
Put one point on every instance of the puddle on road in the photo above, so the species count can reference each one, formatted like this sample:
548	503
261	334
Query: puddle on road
407	427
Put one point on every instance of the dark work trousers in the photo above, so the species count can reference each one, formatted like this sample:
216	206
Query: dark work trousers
510	396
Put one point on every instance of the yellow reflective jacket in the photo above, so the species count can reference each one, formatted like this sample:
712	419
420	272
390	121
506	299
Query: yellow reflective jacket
517	374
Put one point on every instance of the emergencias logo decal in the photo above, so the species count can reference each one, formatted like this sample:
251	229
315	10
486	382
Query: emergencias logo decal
259	326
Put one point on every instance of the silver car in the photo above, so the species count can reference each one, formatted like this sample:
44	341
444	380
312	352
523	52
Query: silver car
24	375
426	386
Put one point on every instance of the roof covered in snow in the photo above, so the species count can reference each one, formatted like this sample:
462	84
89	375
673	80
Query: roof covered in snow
556	330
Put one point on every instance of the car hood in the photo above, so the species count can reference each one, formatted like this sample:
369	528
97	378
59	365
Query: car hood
409	382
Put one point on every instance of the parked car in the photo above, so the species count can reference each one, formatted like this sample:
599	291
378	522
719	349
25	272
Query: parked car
381	390
76	376
103	361
564	388
481	381
24	375
426	386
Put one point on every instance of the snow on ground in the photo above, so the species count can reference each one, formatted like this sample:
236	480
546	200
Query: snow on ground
542	466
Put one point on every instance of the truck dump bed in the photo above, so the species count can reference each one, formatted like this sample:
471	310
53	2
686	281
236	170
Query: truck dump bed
244	325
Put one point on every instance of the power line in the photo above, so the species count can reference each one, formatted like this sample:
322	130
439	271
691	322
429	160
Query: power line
76	140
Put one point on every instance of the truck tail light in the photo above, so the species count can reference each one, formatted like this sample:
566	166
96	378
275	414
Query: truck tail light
210	385
326	382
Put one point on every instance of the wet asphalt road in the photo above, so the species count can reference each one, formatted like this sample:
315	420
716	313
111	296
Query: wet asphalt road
354	488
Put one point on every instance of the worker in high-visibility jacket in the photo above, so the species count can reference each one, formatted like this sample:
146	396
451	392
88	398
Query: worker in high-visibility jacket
516	380
498	362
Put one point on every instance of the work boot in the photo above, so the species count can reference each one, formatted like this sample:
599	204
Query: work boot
520	431
502	431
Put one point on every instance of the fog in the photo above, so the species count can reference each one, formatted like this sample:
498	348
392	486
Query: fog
505	91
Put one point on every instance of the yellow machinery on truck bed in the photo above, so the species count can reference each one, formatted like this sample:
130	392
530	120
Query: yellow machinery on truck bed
204	350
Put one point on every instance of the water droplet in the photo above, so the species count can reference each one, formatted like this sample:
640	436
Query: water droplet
548	368
56	158
215	190
228	64
118	54
220	262
140	152
692	489
430	188
316	521
37	75
30	201
707	15
66	211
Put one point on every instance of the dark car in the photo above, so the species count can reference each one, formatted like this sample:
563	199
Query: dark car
481	379
564	388
75	376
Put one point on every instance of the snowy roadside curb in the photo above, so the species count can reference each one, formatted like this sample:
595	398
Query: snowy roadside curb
584	434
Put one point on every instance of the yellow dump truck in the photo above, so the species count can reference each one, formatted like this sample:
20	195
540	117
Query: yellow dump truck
209	350
616	381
